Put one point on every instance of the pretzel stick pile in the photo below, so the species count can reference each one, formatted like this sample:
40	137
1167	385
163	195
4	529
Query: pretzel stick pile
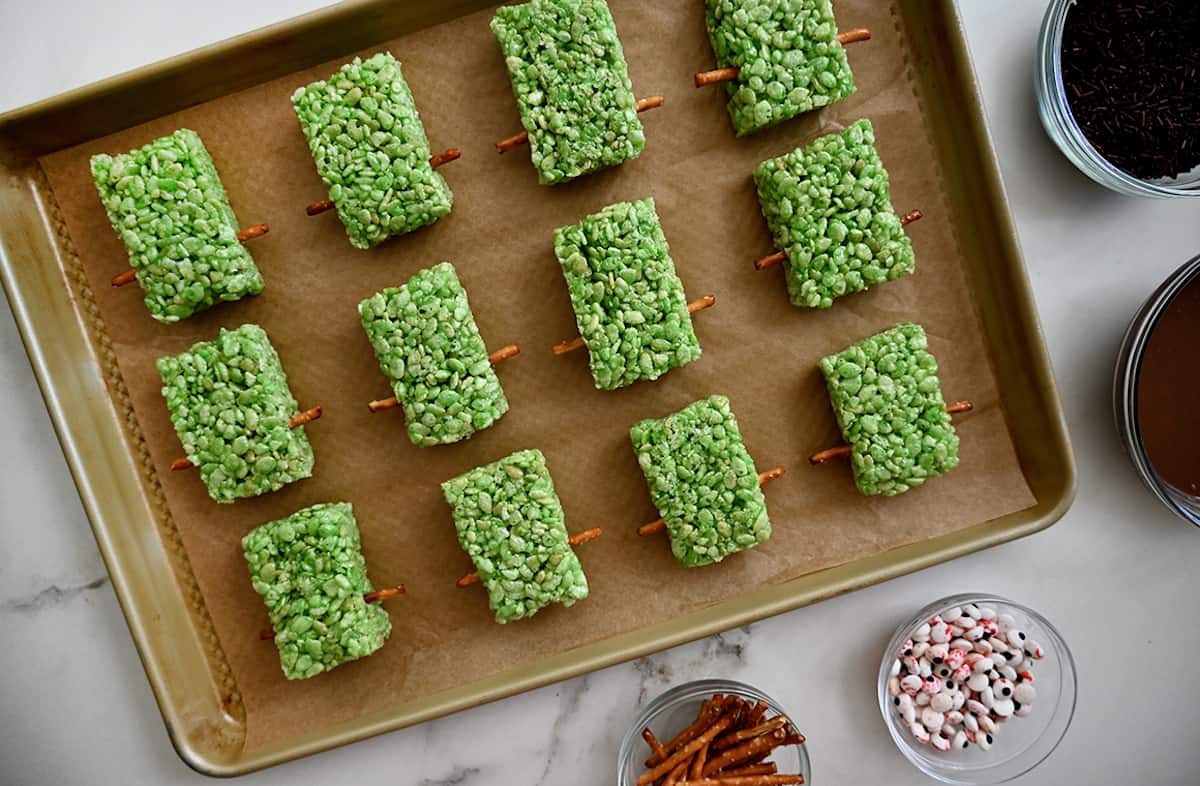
727	745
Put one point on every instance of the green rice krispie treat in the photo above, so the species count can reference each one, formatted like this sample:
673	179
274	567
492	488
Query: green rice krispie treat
828	208
628	301
787	54
889	405
167	204
230	405
428	345
310	571
370	148
702	481
510	523
572	86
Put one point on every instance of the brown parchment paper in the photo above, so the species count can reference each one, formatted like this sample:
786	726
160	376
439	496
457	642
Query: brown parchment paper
758	350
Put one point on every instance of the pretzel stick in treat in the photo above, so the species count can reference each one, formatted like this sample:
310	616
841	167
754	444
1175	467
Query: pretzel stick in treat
516	140
387	593
249	233
500	355
572	344
719	75
435	161
574	540
299	419
779	257
654	527
843	451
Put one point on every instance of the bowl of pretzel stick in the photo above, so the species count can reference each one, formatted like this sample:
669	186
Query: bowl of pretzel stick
713	733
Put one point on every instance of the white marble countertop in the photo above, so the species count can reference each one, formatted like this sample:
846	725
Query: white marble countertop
75	706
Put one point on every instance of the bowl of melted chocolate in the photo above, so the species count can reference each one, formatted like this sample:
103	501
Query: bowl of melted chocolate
1156	392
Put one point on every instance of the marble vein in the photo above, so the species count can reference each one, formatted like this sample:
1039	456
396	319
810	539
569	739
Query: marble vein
51	596
457	775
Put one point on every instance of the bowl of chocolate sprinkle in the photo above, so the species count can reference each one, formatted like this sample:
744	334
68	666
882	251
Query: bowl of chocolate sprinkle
1118	87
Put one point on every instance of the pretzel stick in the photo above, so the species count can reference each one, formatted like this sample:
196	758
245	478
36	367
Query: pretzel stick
674	775
749	780
718	75
733	738
753	747
516	140
249	233
755	716
708	711
570	345
574	540
658	525
844	451
435	161
684	753
779	257
656	748
299	419
501	354
387	593
767	768
695	772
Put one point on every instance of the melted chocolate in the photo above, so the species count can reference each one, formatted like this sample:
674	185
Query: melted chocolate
1168	392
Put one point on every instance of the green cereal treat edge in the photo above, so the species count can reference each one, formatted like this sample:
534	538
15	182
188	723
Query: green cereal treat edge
787	54
510	522
571	84
828	207
429	347
309	570
230	405
888	403
703	481
370	148
628	300
166	203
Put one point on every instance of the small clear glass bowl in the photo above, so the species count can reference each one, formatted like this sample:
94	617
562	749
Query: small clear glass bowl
1021	743
674	711
1061	126
1125	390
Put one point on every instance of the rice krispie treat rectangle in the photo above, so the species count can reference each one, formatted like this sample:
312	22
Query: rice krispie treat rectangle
428	345
828	207
370	148
309	569
888	402
703	481
230	405
510	523
629	302
571	84
787	54
167	204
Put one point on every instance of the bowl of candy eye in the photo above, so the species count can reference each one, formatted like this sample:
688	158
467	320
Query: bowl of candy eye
977	689
713	729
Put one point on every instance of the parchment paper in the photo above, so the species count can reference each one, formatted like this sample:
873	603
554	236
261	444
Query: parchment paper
758	350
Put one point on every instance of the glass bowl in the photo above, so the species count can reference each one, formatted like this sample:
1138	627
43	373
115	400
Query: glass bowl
1061	126
1021	743
674	710
1125	390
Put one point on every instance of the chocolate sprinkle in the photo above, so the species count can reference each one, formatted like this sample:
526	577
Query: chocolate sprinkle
1130	69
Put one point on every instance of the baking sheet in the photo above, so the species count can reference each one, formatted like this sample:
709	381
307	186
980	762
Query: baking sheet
759	350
